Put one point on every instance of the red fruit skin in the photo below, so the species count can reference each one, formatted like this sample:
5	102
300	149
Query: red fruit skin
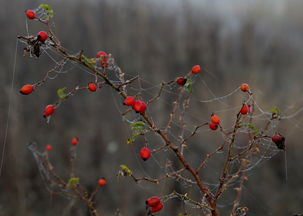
129	101
101	53
245	109
196	69
213	126
26	89
145	153
92	87
42	36
139	106
103	56
49	110
48	147
143	107
215	119
75	141
153	202
244	87
157	208
30	14
101	182
276	138
279	141
181	81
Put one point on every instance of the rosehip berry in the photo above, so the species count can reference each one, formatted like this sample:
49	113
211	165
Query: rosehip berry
181	81
42	36
153	202
92	86
30	14
49	110
27	89
145	153
75	141
245	109
279	141
196	69
215	119
244	87
139	106
48	147
213	126
129	101
101	182
158	208
101	54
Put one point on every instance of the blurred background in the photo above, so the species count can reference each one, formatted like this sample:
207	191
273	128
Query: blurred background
235	41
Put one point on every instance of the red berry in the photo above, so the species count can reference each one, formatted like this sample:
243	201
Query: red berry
145	153
101	54
129	101
30	14
42	36
75	141
49	110
27	89
244	87
92	86
157	208
143	107
215	119
139	106
181	81
153	202
276	138
279	141
196	69
48	147
101	182
245	109
213	126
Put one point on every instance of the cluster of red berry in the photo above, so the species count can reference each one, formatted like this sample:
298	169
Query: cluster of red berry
182	80
137	105
154	205
214	122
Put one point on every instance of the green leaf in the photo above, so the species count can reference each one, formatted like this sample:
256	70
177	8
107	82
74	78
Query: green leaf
249	125
255	130
132	138
48	9
126	171
73	182
138	126
61	94
137	129
189	85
